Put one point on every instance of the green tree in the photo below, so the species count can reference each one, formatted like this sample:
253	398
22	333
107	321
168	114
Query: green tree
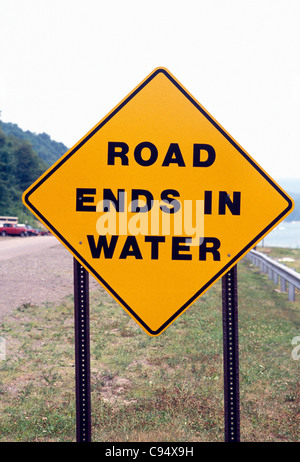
28	166
2	138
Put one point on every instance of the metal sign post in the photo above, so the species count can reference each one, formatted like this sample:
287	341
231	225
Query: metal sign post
82	353
231	356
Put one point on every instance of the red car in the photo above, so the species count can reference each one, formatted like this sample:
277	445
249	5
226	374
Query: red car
10	229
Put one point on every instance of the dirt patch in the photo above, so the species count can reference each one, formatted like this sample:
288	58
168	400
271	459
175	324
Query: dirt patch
111	387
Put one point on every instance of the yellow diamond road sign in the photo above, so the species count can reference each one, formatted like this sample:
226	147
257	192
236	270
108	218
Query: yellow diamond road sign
157	201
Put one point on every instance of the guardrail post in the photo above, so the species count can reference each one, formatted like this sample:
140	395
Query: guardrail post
270	273
291	292
276	270
282	284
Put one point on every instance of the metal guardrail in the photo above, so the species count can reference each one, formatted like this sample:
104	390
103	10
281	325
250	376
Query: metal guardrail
276	271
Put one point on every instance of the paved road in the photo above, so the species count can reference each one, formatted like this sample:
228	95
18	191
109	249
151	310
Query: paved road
11	247
36	270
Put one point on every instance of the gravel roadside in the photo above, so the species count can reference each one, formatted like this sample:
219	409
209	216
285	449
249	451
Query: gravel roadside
40	277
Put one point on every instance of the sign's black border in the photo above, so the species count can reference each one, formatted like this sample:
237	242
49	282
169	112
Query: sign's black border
92	133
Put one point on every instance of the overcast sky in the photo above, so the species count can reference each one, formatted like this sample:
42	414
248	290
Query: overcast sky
66	63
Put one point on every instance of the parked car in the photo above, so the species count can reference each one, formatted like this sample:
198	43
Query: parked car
44	232
10	229
31	231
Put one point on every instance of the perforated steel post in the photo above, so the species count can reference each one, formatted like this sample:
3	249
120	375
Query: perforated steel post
82	353
231	356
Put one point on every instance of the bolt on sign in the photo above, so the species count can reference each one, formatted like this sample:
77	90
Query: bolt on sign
157	201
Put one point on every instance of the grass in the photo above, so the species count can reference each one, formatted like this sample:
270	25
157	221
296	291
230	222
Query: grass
165	388
287	257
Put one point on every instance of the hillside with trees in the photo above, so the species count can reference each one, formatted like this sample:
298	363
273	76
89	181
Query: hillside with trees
24	156
47	149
